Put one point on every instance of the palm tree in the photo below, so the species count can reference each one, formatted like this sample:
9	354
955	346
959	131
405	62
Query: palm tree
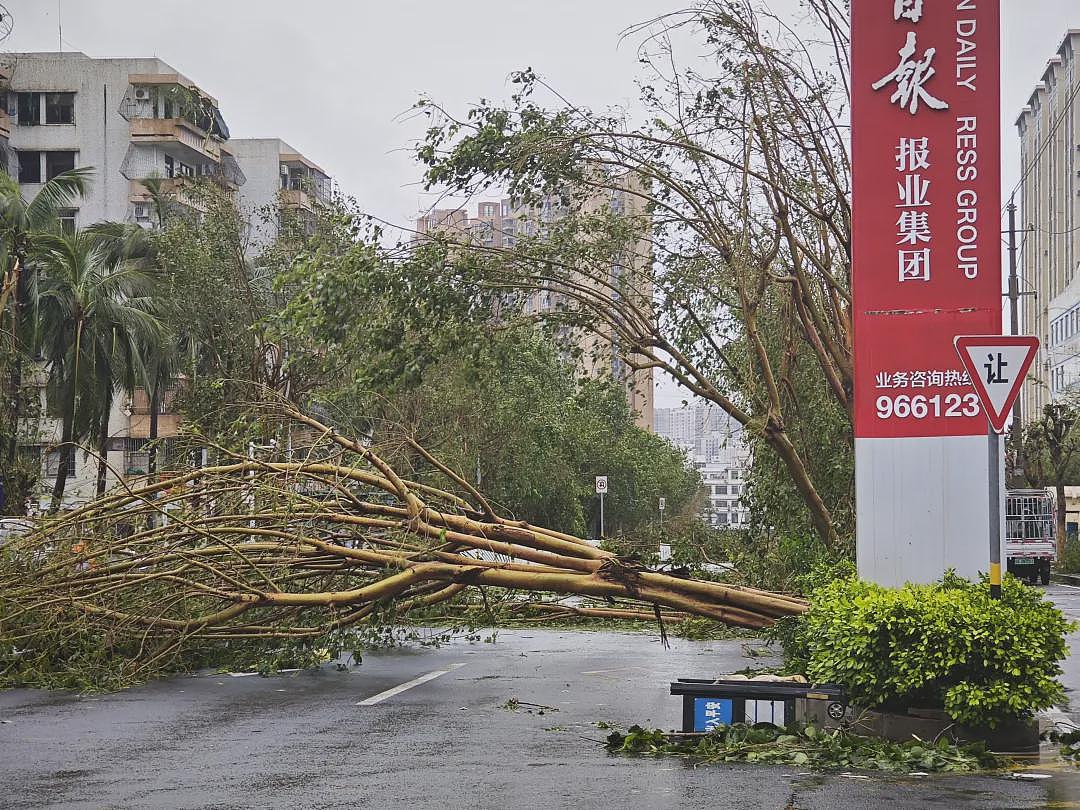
22	223
94	312
160	360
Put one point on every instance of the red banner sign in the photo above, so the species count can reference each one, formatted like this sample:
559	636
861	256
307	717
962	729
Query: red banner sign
926	210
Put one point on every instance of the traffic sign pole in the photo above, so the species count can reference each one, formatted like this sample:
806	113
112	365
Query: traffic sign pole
996	365
994	445
601	490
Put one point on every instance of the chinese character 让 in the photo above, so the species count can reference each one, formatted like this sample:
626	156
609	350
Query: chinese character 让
910	75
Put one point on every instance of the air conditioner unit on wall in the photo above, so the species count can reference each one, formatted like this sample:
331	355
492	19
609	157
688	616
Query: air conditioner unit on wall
142	93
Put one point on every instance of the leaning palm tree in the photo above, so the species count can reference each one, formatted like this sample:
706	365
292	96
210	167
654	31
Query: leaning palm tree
93	315
22	223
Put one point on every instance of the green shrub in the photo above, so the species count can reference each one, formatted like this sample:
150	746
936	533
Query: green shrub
1070	561
947	645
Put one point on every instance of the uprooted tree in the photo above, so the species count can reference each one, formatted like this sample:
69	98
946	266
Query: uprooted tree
254	549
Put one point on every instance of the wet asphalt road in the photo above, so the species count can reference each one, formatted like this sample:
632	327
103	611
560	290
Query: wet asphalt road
301	740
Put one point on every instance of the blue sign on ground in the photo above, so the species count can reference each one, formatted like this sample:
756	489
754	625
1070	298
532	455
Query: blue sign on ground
710	712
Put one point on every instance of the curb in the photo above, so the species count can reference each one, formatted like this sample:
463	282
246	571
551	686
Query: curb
1065	579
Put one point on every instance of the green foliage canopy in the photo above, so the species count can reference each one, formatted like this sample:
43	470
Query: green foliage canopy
946	645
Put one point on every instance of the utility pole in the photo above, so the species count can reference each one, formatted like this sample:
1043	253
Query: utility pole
1014	314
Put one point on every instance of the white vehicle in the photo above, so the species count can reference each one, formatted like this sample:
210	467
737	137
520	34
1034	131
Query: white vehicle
1030	534
12	526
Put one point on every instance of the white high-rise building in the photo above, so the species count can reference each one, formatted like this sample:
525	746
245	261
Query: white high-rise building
131	120
279	178
715	443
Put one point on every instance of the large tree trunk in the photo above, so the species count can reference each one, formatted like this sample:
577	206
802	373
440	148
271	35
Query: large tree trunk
62	468
103	452
1059	491
16	367
16	408
800	476
151	460
360	537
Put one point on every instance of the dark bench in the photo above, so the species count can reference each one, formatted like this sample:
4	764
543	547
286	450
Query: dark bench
707	703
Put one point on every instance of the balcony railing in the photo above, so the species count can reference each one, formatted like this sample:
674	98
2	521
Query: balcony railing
178	130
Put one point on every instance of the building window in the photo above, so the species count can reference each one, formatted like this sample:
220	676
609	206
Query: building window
29	111
52	462
136	456
58	163
59	108
31	453
29	167
66	218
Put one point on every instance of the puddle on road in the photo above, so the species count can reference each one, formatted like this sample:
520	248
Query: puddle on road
1063	786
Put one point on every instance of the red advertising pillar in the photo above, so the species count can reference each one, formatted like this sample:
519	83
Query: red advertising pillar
926	267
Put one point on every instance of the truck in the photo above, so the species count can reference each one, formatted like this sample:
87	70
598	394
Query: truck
1030	534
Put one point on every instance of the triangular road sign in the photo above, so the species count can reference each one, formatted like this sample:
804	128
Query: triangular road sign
997	365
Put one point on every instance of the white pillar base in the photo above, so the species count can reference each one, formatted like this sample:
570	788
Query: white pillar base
923	507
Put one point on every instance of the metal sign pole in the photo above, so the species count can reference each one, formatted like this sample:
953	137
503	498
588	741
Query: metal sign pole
601	515
997	382
994	447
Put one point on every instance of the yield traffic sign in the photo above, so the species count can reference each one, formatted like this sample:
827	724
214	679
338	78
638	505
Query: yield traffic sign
997	365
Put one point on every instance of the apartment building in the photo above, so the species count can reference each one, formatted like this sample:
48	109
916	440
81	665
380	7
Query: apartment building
133	119
129	119
714	442
280	181
1049	226
500	224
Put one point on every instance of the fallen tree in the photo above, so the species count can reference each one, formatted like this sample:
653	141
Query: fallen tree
298	549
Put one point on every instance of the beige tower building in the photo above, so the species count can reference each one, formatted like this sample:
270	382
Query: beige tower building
1048	225
499	224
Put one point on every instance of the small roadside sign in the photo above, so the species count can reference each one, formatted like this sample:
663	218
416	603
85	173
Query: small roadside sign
663	503
601	484
997	365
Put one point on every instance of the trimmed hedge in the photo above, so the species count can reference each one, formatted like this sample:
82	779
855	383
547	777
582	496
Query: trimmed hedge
947	646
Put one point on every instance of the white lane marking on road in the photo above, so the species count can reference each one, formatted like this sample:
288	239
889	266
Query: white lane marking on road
397	690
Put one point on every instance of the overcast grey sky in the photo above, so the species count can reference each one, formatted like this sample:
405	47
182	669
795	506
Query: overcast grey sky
333	77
